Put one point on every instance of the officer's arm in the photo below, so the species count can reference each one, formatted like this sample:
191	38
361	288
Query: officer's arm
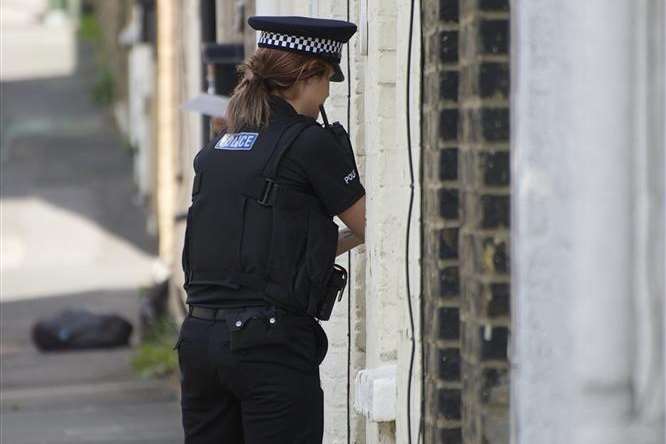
354	218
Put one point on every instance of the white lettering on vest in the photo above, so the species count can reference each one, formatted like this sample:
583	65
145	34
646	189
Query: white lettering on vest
351	176
237	141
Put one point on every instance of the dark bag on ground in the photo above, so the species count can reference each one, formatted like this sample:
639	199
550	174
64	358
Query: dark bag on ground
81	329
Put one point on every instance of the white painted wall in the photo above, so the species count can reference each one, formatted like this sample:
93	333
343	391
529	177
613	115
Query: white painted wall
190	84
588	222
140	95
282	7
137	113
190	132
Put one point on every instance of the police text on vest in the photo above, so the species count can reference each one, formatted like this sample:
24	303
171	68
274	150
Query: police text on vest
237	141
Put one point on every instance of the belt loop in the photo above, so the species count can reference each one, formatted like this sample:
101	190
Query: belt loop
189	309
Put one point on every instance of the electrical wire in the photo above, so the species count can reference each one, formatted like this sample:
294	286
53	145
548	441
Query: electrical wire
421	434
349	270
409	221
421	300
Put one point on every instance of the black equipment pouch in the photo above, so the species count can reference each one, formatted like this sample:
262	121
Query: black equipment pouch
334	290
267	334
251	328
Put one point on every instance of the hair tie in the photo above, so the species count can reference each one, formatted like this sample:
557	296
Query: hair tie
257	79
254	76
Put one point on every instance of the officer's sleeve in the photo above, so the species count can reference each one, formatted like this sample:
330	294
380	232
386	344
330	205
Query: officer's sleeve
330	169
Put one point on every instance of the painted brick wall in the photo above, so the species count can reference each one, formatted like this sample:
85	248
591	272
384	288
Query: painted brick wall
188	50
382	181
466	219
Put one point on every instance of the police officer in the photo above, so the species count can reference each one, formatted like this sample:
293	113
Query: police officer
260	244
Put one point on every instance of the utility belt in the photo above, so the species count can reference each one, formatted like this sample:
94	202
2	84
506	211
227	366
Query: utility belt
332	290
252	328
235	316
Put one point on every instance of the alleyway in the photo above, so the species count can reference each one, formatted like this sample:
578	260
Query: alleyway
71	237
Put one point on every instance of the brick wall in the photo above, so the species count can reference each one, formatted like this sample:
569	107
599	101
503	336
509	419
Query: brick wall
465	203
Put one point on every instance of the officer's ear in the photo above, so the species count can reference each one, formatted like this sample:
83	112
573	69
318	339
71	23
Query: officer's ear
314	81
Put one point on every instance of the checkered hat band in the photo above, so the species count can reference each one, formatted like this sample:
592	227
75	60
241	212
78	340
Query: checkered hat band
312	45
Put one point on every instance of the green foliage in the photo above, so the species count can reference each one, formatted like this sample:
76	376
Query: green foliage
155	357
104	89
90	30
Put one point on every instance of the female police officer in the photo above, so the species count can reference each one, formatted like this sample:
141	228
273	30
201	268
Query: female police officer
260	244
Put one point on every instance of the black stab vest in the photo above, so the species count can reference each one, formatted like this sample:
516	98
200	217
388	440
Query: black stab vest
248	233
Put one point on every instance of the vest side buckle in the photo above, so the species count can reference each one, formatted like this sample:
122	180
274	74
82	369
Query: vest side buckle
266	194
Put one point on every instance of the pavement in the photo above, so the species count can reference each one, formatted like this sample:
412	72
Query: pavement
72	235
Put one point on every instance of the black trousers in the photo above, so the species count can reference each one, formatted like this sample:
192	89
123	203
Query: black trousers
252	377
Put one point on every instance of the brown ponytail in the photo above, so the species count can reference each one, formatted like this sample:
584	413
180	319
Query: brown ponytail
267	71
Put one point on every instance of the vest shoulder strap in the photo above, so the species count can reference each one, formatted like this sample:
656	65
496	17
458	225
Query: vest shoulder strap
262	188
281	148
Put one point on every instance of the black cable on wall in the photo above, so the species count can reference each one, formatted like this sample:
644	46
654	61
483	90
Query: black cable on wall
349	305
409	220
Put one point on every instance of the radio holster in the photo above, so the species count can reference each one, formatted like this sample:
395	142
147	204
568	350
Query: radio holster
334	290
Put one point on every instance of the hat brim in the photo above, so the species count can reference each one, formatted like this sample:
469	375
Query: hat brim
337	76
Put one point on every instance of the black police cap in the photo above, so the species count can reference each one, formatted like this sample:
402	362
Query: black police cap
322	38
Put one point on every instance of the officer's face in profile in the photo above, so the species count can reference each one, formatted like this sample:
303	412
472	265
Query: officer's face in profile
314	93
